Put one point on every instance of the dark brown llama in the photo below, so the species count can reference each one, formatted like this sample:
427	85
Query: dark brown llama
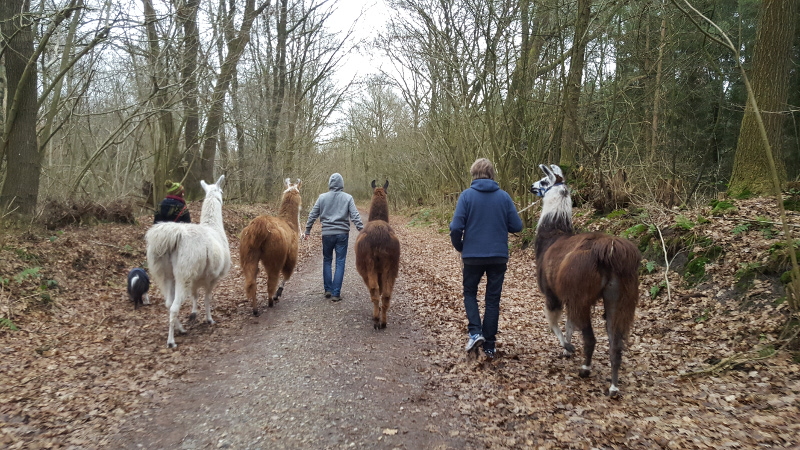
274	242
378	255
576	270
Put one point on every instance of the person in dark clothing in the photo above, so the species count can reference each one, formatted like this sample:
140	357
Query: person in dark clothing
335	210
484	216
173	208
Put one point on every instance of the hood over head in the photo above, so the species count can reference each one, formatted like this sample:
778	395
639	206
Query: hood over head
336	182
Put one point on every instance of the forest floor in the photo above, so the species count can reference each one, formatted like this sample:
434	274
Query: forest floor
80	368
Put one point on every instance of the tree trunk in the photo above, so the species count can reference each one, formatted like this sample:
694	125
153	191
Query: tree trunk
770	75
187	15
215	113
278	91
572	89
166	156
18	142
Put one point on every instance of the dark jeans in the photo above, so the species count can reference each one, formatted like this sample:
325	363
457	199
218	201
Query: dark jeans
330	243
495	274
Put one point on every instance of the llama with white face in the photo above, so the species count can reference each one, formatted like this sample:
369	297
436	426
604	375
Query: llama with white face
183	258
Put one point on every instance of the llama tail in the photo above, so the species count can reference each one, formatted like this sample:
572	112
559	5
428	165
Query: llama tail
618	255
162	240
621	259
252	238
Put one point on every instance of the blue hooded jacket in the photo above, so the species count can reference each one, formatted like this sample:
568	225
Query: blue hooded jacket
484	216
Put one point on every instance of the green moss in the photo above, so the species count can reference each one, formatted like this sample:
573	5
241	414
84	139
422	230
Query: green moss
746	274
721	207
617	213
780	260
792	203
695	270
683	222
786	277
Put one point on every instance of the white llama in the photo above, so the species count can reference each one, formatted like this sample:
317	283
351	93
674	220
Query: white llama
186	257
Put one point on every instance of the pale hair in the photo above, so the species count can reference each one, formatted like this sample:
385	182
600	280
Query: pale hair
482	168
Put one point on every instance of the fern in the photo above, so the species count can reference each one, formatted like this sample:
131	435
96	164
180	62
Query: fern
6	323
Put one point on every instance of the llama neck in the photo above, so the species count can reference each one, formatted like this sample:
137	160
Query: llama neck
555	221
211	214
290	211
379	208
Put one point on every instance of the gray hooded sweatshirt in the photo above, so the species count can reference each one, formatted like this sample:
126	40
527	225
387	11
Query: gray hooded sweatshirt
335	209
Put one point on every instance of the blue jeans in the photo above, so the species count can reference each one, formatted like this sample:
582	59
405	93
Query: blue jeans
495	274
330	243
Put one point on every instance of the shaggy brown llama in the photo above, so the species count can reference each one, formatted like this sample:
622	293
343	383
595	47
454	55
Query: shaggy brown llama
378	255
273	241
576	270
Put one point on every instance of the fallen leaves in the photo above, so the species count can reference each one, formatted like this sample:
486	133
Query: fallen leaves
81	362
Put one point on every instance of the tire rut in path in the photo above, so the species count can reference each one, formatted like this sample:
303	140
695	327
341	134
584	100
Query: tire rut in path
308	373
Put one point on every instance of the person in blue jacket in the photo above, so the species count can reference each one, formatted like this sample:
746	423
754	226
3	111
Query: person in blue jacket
484	216
335	210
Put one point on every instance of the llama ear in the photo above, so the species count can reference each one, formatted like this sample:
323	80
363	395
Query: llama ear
299	183
220	181
287	182
557	171
546	170
386	185
372	184
204	185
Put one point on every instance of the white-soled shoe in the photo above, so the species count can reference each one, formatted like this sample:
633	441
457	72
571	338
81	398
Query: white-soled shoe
474	341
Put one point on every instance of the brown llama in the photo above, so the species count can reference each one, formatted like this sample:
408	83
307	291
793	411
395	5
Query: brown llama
273	241
378	255
575	270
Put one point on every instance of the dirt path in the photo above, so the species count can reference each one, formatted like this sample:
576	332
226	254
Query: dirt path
307	373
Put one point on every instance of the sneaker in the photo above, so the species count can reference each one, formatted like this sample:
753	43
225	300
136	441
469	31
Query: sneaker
327	294
491	353
335	298
474	341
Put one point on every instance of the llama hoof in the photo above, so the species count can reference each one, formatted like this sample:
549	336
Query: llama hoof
210	322
192	317
270	303
585	371
569	349
613	392
171	345
255	312
279	293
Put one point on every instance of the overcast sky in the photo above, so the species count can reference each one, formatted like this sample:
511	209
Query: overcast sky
369	17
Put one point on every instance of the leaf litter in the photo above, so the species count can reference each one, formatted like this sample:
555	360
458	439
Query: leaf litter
81	359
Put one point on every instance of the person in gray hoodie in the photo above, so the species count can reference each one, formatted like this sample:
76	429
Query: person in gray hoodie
335	210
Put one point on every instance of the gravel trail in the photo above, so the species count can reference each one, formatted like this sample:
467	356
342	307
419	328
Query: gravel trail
308	373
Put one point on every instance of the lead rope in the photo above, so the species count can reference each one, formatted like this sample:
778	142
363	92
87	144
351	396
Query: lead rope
527	207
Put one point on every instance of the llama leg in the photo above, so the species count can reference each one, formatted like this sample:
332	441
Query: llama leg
250	270
168	291
193	315
553	316
615	352
568	330
280	289
173	318
207	301
385	300
146	299
589	342
272	287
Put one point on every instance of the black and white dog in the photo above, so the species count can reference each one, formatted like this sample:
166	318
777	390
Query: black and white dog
138	285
